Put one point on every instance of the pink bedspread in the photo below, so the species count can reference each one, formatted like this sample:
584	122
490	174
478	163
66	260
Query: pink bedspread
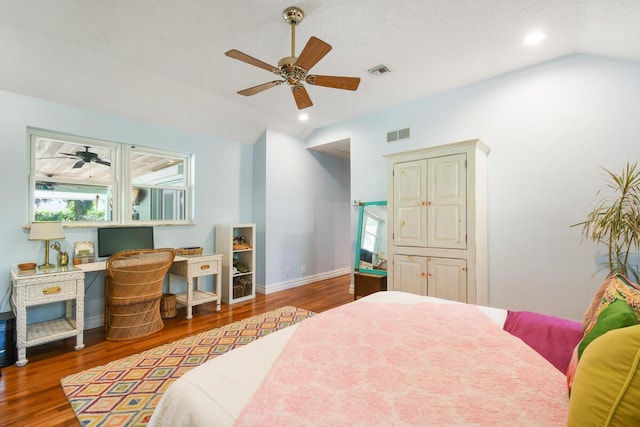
375	364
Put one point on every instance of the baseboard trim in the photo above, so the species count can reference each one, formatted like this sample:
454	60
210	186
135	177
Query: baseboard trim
93	322
301	281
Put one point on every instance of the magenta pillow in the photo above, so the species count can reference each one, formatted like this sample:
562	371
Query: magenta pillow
554	338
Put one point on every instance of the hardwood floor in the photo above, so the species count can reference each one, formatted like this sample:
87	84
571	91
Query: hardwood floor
32	395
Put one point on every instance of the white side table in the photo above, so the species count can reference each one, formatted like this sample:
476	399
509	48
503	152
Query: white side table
44	286
191	267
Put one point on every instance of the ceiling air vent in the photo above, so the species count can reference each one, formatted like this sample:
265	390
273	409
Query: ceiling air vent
397	135
378	70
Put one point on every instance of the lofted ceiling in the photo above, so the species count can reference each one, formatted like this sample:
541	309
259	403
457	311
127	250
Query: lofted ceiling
162	61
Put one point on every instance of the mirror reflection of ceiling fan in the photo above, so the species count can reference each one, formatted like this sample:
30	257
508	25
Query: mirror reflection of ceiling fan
294	70
86	156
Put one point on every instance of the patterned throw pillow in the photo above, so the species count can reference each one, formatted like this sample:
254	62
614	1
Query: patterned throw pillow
618	288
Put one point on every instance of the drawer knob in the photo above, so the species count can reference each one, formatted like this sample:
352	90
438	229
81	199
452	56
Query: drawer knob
204	267
54	290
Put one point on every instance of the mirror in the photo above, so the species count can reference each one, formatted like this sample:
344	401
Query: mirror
371	244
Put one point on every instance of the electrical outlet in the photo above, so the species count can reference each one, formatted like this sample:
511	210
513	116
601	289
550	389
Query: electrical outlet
286	272
303	269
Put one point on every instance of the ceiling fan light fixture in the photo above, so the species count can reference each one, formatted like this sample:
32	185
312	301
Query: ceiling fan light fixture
303	117
294	70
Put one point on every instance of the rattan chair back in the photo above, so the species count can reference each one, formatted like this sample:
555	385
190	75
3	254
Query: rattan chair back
133	292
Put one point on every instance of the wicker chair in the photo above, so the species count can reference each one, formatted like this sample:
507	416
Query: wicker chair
133	291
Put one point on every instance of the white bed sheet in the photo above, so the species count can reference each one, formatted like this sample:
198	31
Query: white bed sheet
216	392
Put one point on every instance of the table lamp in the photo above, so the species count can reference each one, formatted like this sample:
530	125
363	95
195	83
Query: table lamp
46	231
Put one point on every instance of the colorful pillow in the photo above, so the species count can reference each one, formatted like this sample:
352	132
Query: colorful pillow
590	316
606	387
618	288
616	315
554	338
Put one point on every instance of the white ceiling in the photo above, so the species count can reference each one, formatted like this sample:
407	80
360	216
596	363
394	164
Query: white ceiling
163	61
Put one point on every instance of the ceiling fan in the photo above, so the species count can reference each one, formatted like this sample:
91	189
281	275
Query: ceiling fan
86	156
294	70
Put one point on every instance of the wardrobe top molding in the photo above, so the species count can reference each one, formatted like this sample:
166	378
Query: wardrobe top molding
443	150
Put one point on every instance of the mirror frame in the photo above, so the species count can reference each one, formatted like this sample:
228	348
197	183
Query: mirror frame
357	268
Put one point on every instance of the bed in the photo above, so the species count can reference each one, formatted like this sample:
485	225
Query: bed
390	358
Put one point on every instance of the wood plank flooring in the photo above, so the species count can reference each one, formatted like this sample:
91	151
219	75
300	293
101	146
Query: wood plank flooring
32	395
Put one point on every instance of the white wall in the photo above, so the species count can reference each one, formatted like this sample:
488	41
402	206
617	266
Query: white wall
223	189
307	213
550	127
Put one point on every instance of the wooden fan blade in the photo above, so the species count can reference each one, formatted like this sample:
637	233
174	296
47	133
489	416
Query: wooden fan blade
346	83
303	100
313	51
257	89
78	164
236	54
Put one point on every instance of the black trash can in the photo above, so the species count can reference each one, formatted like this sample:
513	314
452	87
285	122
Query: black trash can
7	339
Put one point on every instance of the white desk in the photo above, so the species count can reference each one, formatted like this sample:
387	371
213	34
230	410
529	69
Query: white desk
191	267
40	286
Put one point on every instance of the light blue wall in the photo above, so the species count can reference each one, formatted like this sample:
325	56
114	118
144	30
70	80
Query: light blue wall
307	213
223	176
550	127
259	205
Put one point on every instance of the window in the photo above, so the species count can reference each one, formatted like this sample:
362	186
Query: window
158	185
92	182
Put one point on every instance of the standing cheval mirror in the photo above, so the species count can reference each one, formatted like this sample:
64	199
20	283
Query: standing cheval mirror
371	244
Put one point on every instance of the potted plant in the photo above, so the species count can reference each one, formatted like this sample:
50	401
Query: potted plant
615	220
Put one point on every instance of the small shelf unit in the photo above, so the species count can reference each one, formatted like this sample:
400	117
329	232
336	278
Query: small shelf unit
236	243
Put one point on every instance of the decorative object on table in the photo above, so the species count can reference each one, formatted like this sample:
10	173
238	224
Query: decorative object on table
83	252
27	266
190	250
615	220
46	231
63	256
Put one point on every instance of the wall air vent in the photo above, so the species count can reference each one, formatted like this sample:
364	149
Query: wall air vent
397	135
378	70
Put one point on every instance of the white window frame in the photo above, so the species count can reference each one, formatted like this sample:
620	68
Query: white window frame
121	181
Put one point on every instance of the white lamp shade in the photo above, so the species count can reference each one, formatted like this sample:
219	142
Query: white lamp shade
46	231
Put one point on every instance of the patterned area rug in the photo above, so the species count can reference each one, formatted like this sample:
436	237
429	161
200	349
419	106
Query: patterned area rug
126	391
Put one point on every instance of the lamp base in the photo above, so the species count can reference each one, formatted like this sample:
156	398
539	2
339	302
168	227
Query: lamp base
47	266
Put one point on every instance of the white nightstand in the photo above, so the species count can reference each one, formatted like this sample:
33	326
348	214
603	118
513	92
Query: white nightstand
44	286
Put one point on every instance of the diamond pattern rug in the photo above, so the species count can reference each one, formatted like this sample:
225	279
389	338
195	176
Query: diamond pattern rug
126	391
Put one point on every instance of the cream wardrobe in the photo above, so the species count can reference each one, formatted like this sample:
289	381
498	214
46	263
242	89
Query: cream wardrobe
437	207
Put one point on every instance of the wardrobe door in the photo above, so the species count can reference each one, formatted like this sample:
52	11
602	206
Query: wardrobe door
410	274
447	202
447	278
410	196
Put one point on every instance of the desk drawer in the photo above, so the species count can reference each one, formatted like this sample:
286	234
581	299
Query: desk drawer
53	291
203	268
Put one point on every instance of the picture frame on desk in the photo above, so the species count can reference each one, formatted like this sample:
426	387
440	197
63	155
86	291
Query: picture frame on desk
83	252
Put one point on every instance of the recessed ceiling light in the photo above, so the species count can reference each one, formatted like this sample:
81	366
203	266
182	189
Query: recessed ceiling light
534	37
303	117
